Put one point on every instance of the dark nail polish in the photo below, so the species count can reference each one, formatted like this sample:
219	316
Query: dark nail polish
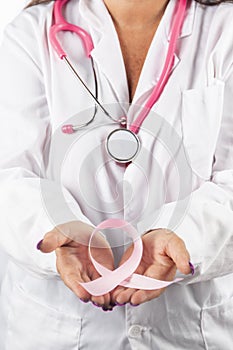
39	244
95	304
105	308
134	305
84	301
192	268
118	304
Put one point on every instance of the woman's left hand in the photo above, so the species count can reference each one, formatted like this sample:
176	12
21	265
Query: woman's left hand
163	253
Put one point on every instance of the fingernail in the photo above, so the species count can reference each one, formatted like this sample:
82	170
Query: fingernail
95	304
119	304
105	308
192	268
134	305
39	244
83	300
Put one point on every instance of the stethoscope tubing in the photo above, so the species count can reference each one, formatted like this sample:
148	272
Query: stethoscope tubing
94	97
158	89
133	129
61	25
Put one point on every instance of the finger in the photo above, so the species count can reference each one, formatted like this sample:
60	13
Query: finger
52	240
72	272
76	231
121	295
101	300
127	295
124	296
177	251
116	292
158	272
98	301
72	281
105	258
142	296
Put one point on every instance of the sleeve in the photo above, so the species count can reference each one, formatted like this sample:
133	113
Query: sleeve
207	225
26	195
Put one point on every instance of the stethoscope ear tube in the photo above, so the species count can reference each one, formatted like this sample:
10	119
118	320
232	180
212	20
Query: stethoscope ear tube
121	152
60	24
55	43
70	128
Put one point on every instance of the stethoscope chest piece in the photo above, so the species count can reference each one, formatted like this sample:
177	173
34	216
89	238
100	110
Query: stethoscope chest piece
122	145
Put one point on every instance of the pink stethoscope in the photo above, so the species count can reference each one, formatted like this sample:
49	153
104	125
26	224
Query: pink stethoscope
122	144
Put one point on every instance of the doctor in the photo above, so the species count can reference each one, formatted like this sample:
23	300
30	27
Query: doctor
177	191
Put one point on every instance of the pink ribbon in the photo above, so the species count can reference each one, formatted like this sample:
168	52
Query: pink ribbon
123	275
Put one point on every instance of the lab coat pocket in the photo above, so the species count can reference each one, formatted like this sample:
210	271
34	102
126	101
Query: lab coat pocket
201	120
32	325
217	326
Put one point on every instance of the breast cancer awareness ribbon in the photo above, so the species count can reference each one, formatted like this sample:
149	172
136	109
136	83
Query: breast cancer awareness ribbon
123	275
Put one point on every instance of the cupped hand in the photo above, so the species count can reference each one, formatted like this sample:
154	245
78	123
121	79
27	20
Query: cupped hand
70	242
163	253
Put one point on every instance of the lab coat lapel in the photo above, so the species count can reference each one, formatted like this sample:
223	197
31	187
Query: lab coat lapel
107	52
156	56
108	57
187	27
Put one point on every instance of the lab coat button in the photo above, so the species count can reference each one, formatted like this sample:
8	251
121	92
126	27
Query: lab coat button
135	331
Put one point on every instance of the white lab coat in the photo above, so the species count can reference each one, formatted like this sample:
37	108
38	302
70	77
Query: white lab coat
49	178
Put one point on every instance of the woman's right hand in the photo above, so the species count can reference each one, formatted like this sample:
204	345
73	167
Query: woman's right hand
70	242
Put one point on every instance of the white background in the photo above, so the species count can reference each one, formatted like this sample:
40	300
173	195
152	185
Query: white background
9	9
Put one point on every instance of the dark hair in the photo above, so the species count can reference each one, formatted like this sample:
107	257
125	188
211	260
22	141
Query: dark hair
203	2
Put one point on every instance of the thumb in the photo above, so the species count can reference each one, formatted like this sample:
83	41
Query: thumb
63	234
53	240
177	251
